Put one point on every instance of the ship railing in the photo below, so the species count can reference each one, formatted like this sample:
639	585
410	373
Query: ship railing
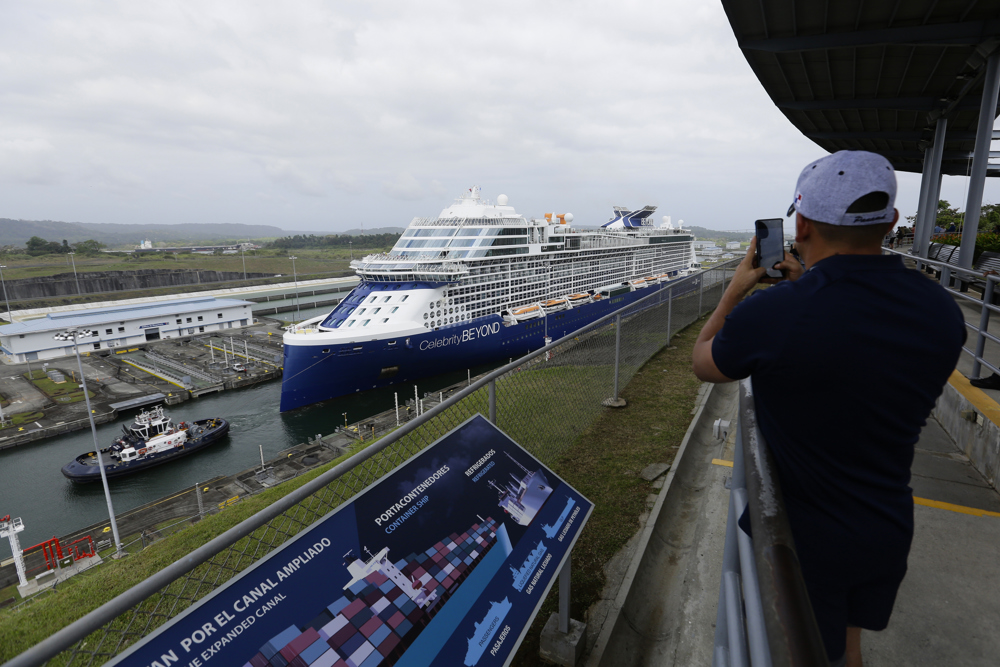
764	615
591	364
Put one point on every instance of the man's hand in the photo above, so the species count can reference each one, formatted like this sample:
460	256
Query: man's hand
746	275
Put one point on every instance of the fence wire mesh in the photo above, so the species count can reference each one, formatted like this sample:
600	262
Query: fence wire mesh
544	401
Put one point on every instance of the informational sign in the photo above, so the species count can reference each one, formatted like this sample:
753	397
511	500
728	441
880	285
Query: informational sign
158	324
443	562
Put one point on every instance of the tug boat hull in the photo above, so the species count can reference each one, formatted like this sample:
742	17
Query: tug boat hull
203	433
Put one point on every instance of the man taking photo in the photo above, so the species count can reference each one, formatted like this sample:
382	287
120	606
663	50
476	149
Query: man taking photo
847	359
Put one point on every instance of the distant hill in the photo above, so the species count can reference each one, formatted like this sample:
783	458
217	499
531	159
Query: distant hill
703	234
17	232
376	230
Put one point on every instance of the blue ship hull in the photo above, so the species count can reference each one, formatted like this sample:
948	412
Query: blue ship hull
312	374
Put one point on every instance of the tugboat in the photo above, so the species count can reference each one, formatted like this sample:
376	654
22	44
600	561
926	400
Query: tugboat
151	440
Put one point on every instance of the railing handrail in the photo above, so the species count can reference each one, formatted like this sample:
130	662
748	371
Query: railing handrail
792	632
76	631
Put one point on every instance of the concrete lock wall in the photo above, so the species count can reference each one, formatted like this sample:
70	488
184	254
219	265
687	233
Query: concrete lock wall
974	433
64	284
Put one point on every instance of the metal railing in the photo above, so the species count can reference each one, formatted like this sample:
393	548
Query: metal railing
764	616
544	401
986	306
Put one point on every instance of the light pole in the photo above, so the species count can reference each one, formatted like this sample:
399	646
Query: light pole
295	277
10	318
74	335
74	272
244	256
351	244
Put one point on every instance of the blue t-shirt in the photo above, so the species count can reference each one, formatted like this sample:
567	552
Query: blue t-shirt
846	365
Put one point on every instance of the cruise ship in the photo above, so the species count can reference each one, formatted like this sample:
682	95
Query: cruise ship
476	284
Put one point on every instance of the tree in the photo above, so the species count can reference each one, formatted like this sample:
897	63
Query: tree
89	247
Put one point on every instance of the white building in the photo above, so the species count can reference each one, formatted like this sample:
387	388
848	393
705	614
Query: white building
121	326
733	245
704	244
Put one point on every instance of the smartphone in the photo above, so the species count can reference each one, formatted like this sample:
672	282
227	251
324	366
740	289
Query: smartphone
770	245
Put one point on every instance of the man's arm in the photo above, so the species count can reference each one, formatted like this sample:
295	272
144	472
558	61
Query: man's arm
744	279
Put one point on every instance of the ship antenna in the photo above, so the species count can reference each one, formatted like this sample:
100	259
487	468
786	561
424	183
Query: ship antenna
526	471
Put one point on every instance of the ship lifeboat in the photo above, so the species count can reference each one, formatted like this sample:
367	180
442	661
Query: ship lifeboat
637	284
554	305
527	313
652	280
663	277
578	299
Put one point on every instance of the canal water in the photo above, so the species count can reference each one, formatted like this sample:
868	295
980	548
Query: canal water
33	488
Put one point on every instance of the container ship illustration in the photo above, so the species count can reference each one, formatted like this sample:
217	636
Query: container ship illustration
477	284
384	607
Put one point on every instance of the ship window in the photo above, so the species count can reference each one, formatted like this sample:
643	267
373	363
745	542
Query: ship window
384	320
425	316
365	323
376	310
405	297
361	311
351	323
386	299
372	300
394	309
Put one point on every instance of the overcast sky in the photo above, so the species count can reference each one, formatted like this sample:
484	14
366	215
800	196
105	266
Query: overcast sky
326	116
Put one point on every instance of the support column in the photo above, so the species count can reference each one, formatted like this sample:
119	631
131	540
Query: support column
919	245
977	179
930	194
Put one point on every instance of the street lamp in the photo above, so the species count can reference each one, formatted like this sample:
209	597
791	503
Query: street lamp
75	335
351	244
74	272
295	277
243	255
10	317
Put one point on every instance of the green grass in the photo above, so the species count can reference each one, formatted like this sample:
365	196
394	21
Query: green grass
599	451
64	392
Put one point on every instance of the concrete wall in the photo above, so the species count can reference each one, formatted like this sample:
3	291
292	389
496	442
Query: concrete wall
64	284
980	440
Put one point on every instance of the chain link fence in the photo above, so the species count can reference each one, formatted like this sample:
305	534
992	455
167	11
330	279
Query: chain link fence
544	401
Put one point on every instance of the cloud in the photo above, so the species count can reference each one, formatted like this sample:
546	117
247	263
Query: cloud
252	112
404	187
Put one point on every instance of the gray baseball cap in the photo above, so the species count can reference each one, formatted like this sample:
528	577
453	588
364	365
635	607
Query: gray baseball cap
827	187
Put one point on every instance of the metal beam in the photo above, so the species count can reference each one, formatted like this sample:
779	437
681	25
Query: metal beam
969	33
900	103
891	135
932	193
977	179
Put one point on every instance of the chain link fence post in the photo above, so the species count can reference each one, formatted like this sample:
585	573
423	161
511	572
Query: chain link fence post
670	313
618	351
493	402
701	292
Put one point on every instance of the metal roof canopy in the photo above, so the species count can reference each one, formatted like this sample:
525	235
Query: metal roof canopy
874	75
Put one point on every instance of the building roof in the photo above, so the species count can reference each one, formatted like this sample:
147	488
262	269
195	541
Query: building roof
874	74
99	316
